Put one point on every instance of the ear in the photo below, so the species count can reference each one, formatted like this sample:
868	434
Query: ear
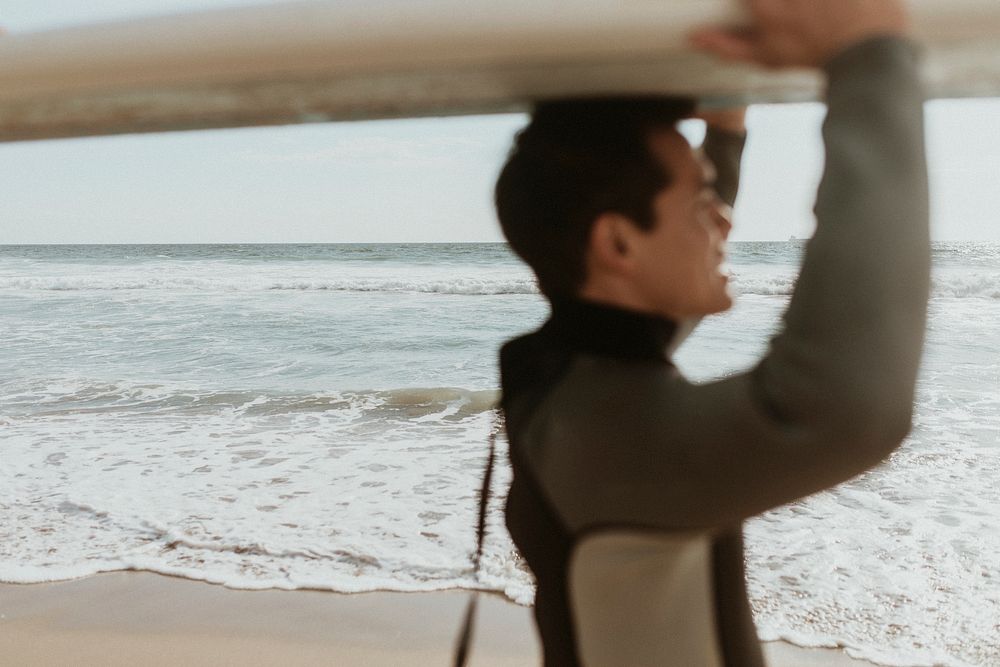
610	243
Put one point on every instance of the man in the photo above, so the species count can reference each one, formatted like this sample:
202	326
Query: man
630	483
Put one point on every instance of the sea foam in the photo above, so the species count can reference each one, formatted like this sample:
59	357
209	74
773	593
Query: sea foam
316	417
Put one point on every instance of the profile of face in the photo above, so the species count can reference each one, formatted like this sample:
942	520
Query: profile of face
675	269
680	259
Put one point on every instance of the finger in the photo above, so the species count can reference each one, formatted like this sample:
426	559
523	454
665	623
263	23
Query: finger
730	44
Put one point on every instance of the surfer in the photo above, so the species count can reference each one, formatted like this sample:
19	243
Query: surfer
630	483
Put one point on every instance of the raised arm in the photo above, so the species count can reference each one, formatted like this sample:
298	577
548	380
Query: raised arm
834	394
725	136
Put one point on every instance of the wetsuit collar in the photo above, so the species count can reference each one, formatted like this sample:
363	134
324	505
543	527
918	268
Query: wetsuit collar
587	326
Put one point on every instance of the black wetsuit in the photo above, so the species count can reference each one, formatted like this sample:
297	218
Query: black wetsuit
631	484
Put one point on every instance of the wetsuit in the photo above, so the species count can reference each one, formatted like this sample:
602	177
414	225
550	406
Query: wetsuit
631	484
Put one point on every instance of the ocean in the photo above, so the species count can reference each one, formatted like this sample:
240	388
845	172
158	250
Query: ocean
316	416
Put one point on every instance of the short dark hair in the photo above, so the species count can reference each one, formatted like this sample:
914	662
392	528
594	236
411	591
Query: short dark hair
576	160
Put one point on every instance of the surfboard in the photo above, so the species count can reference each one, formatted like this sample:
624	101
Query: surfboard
364	59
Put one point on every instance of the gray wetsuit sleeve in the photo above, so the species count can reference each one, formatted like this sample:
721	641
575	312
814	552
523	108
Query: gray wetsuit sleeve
834	394
725	150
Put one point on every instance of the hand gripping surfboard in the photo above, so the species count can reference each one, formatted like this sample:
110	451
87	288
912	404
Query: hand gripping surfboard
362	59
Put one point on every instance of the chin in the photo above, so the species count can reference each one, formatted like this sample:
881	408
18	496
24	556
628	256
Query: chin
722	304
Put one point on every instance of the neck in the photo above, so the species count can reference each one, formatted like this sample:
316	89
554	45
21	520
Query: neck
609	329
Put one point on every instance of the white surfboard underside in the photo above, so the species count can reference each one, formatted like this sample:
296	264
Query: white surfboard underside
354	59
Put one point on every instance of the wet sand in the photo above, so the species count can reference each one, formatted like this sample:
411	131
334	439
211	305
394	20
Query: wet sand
135	618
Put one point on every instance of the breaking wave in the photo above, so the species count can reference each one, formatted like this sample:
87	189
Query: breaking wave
982	285
462	285
50	399
969	285
53	399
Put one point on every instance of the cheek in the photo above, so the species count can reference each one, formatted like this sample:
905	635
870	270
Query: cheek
701	236
679	248
710	223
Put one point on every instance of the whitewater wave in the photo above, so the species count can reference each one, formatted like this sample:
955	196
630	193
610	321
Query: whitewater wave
967	285
462	285
983	285
76	398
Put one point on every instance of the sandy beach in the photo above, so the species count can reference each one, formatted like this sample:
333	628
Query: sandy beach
133	618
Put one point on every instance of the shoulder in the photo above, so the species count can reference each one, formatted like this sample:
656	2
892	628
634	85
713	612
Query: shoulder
603	411
607	392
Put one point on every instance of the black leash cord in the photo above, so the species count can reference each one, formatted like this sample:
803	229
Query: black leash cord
465	634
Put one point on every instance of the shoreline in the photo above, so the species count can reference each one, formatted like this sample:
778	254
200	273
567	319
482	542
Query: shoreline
129	618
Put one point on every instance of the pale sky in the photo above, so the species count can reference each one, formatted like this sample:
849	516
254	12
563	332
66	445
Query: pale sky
400	181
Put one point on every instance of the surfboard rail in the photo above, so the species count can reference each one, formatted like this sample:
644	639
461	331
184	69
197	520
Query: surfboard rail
315	60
